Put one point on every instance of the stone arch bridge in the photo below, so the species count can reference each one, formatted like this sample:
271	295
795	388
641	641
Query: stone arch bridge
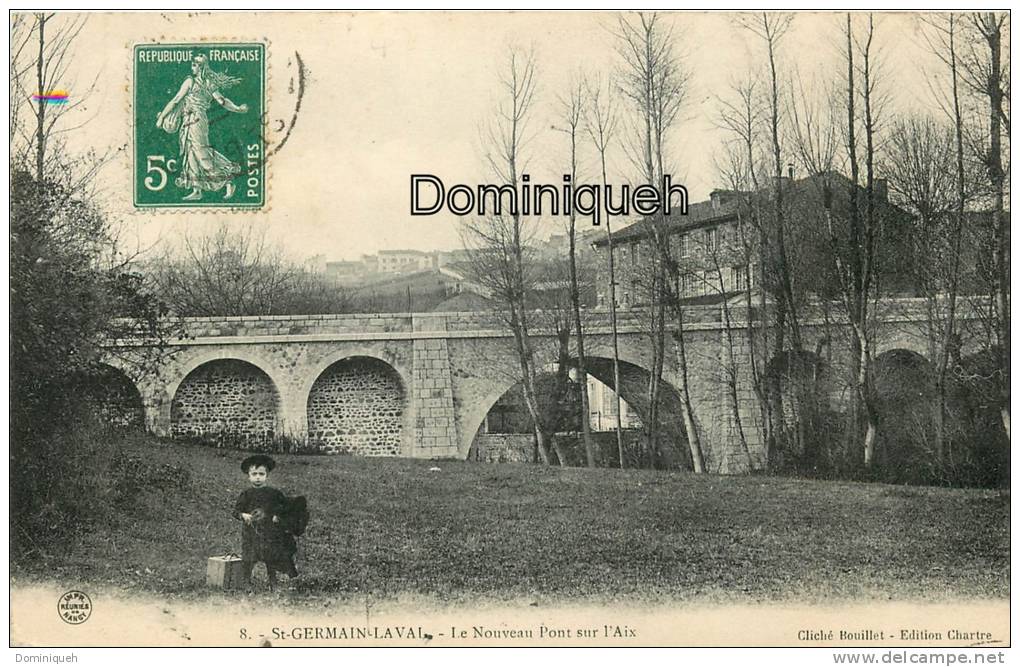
420	385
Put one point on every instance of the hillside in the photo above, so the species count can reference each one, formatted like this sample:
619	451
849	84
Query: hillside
469	531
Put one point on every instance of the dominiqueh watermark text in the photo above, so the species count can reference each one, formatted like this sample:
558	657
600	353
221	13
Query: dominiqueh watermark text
429	195
45	657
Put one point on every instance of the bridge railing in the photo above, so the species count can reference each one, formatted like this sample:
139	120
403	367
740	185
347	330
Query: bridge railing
596	319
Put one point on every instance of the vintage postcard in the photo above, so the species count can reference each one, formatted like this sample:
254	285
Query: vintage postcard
511	329
177	163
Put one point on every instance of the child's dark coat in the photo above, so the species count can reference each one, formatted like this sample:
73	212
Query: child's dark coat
263	540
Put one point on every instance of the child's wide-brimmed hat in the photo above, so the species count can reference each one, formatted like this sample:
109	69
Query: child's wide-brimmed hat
258	460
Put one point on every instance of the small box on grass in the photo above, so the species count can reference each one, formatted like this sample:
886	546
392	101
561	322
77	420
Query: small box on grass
225	572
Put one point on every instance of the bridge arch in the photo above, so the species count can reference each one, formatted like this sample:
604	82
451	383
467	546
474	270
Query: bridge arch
228	401
247	354
900	341
903	393
358	404
115	398
321	364
804	391
674	450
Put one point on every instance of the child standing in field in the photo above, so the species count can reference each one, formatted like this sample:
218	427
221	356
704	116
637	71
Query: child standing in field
263	510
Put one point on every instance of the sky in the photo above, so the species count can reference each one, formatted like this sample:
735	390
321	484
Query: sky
389	94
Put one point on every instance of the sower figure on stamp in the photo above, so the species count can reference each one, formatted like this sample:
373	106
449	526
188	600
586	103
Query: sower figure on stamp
264	510
202	167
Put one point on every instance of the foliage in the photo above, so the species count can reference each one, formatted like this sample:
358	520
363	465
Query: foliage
269	443
67	298
77	479
234	272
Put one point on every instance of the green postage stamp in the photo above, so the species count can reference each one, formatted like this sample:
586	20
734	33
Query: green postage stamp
198	125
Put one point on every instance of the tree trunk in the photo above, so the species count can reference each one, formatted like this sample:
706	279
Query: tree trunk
868	261
949	328
1000	224
868	412
575	302
861	246
553	421
519	327
687	410
731	370
652	422
612	321
40	114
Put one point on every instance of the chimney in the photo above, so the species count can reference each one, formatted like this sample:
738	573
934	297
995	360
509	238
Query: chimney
881	187
717	199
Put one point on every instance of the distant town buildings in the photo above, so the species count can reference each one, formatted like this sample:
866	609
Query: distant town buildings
408	280
390	262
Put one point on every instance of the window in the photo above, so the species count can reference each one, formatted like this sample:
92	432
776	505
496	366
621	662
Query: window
690	285
608	402
739	277
711	239
685	245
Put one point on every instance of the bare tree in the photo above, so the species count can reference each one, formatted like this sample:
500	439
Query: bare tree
855	266
655	80
41	56
573	112
777	273
741	116
984	72
600	124
232	272
771	28
925	169
497	243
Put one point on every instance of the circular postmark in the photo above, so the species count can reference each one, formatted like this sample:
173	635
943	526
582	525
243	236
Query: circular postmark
74	607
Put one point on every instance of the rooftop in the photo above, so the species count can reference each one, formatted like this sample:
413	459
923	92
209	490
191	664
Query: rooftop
723	206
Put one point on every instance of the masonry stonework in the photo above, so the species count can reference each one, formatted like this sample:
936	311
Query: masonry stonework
435	428
230	402
357	407
115	400
278	375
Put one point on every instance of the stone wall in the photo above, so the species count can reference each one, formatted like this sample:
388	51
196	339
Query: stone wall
503	448
435	429
228	402
297	325
115	400
357	406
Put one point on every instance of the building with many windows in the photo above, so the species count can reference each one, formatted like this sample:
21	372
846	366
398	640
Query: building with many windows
707	243
716	246
404	261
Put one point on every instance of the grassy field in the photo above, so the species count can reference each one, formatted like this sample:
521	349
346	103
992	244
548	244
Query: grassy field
475	532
